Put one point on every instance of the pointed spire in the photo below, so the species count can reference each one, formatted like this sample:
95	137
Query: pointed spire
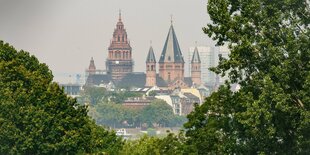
92	64
196	57
120	15
171	51
151	56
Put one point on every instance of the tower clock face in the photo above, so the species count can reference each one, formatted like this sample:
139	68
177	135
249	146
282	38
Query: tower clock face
117	62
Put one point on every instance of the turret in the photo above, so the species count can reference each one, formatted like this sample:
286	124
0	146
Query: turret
92	68
196	68
150	68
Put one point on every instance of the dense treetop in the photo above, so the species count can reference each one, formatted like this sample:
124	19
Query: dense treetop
270	59
36	117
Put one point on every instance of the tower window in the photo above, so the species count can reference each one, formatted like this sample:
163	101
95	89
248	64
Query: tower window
118	38
169	76
169	58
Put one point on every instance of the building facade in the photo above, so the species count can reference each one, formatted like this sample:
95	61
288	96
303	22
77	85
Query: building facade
119	61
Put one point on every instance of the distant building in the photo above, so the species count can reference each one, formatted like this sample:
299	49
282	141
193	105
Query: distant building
119	65
72	90
209	58
171	62
196	68
182	103
136	103
171	66
119	62
150	68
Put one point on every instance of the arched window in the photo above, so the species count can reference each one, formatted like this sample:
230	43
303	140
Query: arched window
122	38
118	38
169	76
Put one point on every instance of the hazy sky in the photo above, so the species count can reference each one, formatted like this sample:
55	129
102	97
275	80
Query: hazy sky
65	34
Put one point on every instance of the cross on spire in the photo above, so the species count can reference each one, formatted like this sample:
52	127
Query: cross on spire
171	19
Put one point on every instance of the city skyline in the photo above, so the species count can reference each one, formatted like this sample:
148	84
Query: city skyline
65	35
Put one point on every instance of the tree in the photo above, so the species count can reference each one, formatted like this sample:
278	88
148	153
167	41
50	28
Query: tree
270	59
37	117
169	145
158	112
110	114
94	95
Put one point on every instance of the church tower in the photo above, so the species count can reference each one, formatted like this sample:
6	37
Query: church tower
92	68
196	68
171	62
119	62
150	68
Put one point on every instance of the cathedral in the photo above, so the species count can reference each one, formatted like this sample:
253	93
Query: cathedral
119	65
119	62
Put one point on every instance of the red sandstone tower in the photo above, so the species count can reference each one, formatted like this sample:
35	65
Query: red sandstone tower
119	61
92	68
196	68
150	68
171	62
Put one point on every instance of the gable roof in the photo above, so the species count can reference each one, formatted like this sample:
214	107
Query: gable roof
171	51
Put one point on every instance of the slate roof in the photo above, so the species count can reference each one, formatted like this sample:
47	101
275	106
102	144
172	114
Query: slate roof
196	57
135	79
191	96
151	56
188	81
97	79
160	82
171	51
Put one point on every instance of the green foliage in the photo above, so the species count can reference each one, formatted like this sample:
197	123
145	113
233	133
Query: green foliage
110	114
117	116
270	59
95	95
152	93
172	144
36	117
158	112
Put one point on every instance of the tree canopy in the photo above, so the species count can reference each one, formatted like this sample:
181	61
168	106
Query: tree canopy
36	117
270	59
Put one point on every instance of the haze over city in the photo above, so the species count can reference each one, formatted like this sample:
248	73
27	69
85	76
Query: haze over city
66	34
